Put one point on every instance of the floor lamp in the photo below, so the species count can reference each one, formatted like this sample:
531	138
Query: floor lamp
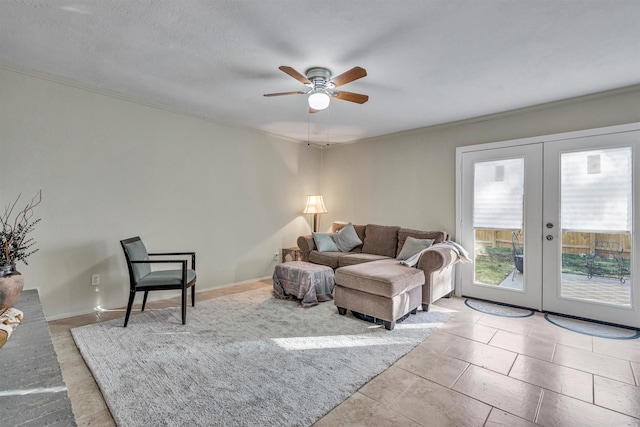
315	206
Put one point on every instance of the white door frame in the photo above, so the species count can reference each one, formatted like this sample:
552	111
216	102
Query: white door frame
525	141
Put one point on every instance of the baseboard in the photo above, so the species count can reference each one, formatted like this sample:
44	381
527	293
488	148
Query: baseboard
157	297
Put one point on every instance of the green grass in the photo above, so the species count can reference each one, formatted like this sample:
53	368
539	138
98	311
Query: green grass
493	267
497	264
574	264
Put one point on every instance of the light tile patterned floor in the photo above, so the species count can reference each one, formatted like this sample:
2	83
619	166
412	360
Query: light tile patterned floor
476	370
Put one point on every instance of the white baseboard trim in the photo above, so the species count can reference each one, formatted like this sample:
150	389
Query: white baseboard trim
153	296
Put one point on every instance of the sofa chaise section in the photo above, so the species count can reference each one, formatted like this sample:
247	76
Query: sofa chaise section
385	290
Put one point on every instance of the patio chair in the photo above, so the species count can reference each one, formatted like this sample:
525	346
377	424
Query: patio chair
518	255
603	254
141	278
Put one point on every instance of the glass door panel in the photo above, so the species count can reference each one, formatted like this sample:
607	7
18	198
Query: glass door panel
595	211
498	204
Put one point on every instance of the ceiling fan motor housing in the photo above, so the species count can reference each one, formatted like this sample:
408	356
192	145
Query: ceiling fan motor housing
319	77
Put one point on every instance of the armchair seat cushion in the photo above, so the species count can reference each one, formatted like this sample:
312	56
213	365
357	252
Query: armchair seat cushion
165	278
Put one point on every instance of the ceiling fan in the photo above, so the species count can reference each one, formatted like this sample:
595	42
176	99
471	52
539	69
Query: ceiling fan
321	86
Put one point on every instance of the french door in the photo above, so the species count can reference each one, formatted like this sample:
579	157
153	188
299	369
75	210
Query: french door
551	225
591	203
502	195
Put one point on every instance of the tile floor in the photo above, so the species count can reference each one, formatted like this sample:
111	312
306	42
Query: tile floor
476	370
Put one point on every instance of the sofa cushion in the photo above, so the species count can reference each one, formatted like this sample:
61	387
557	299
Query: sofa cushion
346	238
412	246
352	259
403	233
387	278
381	240
329	259
324	242
360	230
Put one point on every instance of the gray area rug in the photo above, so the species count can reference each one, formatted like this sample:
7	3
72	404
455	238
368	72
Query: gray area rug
241	360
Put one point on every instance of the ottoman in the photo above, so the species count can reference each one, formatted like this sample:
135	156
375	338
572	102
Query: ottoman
310	283
383	289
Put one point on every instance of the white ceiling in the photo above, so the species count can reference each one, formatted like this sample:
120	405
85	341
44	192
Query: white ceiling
428	61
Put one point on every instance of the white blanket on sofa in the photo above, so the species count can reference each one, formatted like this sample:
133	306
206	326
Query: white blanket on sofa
461	253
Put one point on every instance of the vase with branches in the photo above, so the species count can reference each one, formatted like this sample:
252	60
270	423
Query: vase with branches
15	244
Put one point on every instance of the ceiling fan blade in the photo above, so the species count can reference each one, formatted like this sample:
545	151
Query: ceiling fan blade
352	97
348	76
296	75
284	93
311	110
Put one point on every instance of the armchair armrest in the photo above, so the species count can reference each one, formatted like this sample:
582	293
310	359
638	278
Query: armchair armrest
159	261
193	256
171	253
306	245
183	262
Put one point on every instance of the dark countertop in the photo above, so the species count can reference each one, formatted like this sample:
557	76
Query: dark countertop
32	390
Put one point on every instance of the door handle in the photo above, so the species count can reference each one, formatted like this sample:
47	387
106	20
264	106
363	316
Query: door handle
549	237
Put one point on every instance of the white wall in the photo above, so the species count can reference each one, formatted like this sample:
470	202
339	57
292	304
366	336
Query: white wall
408	179
110	168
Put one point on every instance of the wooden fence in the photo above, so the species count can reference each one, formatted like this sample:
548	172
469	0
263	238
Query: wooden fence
573	242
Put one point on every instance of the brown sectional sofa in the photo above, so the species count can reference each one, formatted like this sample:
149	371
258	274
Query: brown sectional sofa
381	245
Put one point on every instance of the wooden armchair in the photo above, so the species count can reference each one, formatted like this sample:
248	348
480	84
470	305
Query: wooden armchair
141	278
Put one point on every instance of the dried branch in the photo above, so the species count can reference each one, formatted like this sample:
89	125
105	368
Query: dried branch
13	234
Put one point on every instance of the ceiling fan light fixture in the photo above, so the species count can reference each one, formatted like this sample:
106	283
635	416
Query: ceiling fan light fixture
321	85
319	100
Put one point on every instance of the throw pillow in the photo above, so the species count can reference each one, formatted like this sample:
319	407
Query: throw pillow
403	233
346	238
325	243
412	246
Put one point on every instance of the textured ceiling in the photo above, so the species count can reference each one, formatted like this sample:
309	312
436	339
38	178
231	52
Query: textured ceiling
428	61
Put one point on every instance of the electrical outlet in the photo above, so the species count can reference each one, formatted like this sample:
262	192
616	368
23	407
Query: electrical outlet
95	279
276	256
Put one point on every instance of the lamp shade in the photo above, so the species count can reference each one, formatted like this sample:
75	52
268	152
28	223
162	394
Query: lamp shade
315	205
319	100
